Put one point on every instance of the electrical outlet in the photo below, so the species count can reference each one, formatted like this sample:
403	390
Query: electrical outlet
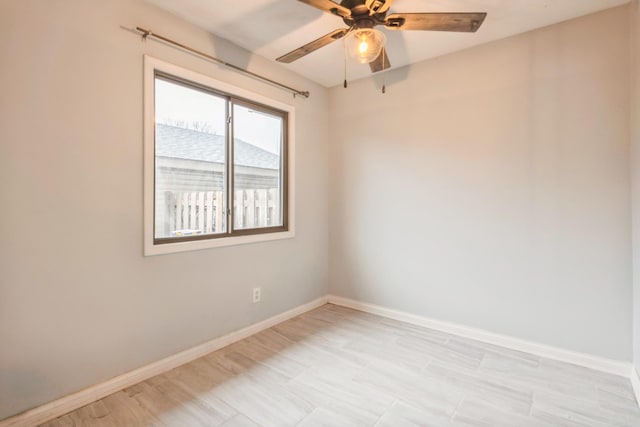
257	295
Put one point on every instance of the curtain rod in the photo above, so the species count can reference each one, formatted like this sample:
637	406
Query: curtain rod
150	34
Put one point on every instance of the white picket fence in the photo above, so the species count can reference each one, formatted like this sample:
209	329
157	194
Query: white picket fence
203	212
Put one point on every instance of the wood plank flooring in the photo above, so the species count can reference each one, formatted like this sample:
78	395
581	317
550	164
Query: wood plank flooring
339	367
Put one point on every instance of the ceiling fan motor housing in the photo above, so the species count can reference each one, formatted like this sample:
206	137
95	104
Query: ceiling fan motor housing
365	13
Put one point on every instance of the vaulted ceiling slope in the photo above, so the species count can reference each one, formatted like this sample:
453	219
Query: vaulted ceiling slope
271	28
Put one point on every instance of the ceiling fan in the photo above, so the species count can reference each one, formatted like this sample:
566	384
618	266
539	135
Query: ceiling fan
364	43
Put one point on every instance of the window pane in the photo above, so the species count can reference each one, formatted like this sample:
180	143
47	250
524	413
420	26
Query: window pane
257	168
190	152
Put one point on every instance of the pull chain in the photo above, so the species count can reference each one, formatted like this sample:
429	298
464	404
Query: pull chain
384	72
345	64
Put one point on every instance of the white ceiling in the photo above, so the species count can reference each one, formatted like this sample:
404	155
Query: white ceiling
271	28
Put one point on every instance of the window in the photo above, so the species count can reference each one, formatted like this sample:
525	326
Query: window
217	163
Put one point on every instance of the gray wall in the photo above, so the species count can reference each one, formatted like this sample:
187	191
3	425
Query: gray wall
78	301
490	187
635	171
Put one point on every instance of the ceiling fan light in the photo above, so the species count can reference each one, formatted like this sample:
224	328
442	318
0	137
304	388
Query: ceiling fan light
364	44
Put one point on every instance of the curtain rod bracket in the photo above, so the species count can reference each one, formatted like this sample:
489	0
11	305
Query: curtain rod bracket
145	33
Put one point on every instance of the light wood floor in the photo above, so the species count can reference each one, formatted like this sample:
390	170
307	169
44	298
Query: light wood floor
339	367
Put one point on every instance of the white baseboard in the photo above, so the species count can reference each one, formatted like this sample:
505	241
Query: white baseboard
635	383
594	362
81	398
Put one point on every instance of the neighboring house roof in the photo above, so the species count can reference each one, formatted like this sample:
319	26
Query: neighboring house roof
190	144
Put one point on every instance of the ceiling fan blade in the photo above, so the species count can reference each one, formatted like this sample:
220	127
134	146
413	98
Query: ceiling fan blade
461	22
314	45
381	62
329	7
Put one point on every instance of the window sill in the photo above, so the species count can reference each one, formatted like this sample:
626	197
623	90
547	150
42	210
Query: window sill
152	249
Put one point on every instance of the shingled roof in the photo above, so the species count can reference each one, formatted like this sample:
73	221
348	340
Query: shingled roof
190	144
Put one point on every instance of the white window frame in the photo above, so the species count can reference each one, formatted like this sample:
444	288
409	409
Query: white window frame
151	65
